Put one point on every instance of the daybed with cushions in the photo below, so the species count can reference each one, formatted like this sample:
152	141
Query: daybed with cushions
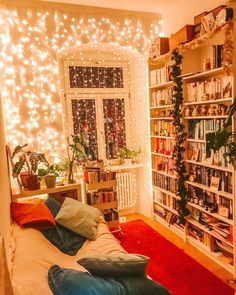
37	263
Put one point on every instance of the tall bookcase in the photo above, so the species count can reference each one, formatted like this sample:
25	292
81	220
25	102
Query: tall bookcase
208	91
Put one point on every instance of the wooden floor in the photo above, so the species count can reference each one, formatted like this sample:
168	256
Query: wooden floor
187	248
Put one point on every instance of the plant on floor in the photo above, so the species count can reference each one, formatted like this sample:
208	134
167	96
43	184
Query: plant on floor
182	191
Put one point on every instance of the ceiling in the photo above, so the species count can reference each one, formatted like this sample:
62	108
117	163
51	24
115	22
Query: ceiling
154	6
175	13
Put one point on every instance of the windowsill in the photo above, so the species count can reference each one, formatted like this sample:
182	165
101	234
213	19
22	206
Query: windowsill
125	166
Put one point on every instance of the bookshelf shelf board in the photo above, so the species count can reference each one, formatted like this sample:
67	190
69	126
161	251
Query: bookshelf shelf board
217	71
162	155
205	117
166	192
210	254
163	137
100	185
226	220
163	85
106	205
174	229
162	118
166	207
205	229
208	101
196	140
206	188
226	169
164	173
162	107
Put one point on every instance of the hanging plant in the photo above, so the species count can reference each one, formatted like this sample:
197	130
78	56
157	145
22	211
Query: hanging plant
182	191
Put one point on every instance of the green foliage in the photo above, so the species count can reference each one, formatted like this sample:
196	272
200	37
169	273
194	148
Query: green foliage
126	153
27	160
182	191
53	169
215	140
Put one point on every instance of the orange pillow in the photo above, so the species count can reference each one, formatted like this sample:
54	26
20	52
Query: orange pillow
32	215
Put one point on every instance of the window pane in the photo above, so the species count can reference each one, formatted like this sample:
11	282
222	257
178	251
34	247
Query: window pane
96	77
114	126
84	123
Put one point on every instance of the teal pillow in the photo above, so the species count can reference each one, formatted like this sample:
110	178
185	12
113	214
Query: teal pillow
80	218
113	265
72	282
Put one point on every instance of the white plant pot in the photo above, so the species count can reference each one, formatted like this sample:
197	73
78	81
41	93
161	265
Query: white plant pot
127	161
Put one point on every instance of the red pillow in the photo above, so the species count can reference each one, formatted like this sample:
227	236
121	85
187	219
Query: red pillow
32	215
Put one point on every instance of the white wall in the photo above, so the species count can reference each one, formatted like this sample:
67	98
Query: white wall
175	14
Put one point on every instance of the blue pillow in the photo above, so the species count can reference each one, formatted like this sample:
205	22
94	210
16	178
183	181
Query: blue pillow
72	282
64	239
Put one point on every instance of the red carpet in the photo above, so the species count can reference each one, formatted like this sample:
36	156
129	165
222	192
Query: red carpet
168	264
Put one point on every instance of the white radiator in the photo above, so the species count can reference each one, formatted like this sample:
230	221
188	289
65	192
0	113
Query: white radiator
125	191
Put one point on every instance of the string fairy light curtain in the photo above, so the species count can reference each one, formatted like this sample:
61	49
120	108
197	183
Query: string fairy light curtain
30	41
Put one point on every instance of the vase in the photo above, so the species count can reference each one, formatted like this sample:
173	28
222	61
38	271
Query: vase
50	181
32	182
70	173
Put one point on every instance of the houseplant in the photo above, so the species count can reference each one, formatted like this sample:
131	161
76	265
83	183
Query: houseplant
28	161
50	174
127	156
77	153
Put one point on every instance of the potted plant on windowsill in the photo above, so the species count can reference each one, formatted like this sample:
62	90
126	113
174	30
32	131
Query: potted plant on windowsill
50	175
127	156
27	161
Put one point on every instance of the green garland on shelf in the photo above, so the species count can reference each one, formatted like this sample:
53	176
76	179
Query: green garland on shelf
182	191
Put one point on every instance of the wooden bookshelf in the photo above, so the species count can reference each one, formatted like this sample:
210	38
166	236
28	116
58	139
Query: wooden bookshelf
204	105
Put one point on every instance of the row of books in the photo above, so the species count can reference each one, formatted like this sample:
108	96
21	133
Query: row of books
197	129
162	198
163	128
164	164
101	196
165	182
216	88
162	97
197	152
168	216
98	176
160	76
216	179
163	146
110	214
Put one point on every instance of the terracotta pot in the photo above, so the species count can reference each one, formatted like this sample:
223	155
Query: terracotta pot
23	175
50	181
32	182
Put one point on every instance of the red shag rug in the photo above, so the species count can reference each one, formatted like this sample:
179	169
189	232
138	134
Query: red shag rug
168	264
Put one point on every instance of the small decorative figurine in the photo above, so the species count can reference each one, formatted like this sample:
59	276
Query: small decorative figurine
194	112
187	112
203	110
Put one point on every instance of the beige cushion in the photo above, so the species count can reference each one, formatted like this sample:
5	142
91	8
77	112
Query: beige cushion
80	218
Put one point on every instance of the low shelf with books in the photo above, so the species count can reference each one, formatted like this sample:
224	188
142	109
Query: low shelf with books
101	193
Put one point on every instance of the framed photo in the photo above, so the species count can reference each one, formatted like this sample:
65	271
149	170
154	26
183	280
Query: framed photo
215	183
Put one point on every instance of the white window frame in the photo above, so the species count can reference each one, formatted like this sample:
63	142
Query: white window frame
98	97
94	63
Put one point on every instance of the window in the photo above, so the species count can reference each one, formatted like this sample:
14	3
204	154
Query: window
95	108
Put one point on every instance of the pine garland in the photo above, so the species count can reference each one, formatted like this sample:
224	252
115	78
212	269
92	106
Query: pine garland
182	191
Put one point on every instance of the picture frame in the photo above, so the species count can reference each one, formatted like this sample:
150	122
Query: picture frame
215	181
